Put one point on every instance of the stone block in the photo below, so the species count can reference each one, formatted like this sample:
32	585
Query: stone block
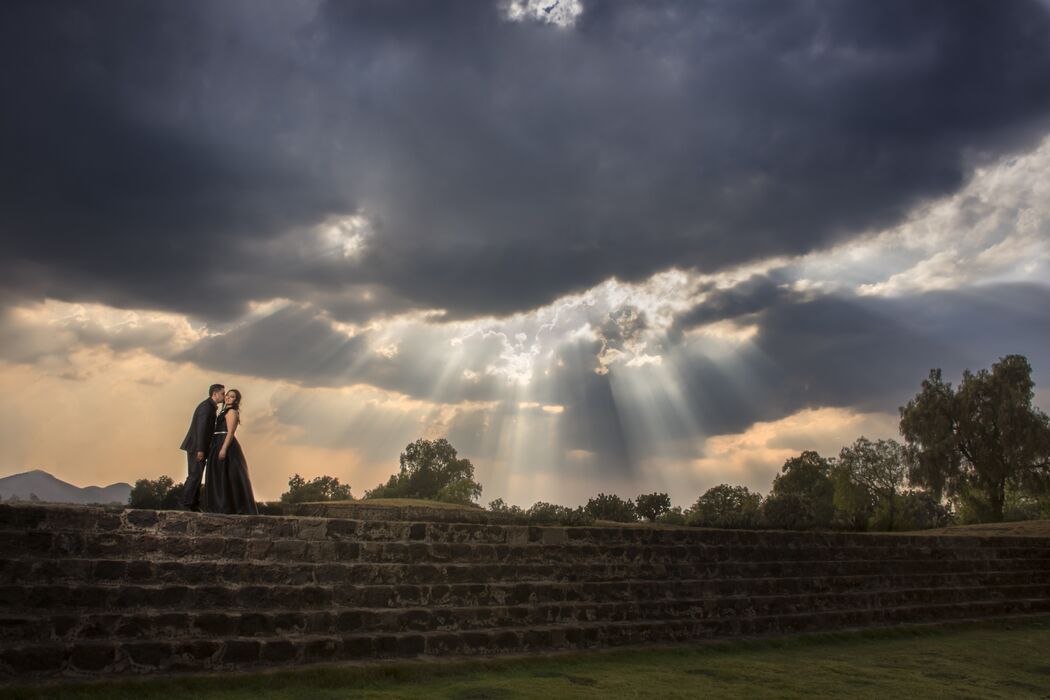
343	529
34	660
147	654
386	645
202	651
142	519
411	645
348	621
254	625
216	624
359	646
279	651
93	658
439	644
321	649
240	651
312	528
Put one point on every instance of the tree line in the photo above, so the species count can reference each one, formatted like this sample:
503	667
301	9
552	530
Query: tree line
979	452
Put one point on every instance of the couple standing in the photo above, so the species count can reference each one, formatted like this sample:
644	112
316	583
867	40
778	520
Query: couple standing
213	453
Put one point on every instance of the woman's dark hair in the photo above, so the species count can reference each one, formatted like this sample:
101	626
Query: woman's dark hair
237	401
216	387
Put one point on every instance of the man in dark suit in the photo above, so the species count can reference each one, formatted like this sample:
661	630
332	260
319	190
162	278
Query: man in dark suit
197	444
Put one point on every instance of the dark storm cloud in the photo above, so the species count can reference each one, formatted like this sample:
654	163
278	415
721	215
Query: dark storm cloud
300	344
153	153
754	294
291	343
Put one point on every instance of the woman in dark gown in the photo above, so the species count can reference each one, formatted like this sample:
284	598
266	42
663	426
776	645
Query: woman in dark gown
227	488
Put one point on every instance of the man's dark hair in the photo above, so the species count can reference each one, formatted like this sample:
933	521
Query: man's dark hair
216	387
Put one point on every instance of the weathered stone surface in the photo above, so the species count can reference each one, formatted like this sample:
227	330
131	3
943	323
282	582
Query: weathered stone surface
102	590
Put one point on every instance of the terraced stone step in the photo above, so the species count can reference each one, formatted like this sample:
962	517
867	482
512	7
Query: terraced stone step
39	518
257	598
171	623
47	570
170	655
14	544
70	575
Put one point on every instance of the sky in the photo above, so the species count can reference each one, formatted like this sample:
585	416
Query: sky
598	246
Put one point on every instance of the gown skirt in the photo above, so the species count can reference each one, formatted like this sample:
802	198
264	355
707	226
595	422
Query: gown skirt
227	488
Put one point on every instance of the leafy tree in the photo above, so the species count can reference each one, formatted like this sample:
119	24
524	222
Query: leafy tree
651	506
544	513
878	469
971	506
463	491
803	493
156	494
726	506
787	511
431	469
541	512
913	510
322	488
674	516
855	504
611	507
500	506
979	440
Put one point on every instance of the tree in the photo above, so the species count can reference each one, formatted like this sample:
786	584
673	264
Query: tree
980	440
158	494
651	506
726	506
803	493
500	506
321	488
611	507
914	510
541	512
878	468
431	469
787	511
674	516
855	504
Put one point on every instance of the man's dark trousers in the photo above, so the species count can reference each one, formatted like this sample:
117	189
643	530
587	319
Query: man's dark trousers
191	495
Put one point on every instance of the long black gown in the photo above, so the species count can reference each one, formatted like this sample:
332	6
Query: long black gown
227	488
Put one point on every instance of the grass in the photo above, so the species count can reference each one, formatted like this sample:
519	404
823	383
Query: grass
1024	528
988	660
401	502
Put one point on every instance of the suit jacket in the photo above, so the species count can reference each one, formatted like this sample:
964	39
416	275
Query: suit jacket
198	437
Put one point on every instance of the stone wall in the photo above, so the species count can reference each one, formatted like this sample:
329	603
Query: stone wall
94	591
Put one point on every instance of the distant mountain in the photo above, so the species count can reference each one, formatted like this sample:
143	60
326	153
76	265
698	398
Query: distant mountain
48	488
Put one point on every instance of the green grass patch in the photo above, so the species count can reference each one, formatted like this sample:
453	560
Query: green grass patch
420	502
991	660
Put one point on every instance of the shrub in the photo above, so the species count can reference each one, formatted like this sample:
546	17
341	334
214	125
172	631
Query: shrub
788	511
914	510
500	506
611	507
726	506
549	513
674	516
322	488
651	506
431	469
156	494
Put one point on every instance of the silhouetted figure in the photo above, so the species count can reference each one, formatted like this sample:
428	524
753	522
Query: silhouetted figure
227	488
197	444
